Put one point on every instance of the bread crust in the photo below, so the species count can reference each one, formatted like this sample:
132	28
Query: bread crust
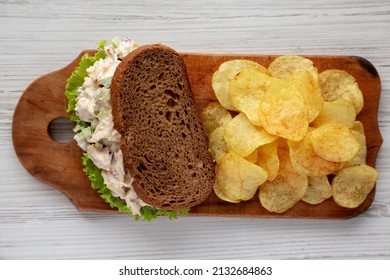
163	142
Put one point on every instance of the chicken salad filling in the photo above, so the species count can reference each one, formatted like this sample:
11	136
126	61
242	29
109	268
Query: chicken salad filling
101	140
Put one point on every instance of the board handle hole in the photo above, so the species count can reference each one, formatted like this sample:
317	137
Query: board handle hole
61	130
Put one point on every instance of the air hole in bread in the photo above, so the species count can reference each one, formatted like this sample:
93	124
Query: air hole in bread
141	167
161	76
180	86
168	116
171	93
171	103
183	135
147	159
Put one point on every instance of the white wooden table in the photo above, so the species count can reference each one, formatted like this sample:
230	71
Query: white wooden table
37	37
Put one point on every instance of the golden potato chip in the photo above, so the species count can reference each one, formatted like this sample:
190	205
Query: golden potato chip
246	90
237	178
214	116
338	84
286	65
306	161
360	157
242	137
339	110
218	191
286	169
282	144
283	111
267	158
285	190
334	142
351	185
358	127
278	196
226	72
252	157
310	90
319	190
217	144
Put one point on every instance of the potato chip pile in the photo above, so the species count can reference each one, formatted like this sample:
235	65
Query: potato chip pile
283	131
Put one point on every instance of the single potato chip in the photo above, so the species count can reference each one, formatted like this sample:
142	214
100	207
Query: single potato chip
283	111
242	137
306	161
237	178
214	116
218	192
352	185
319	190
226	72
286	65
279	195
338	84
217	144
267	158
310	90
360	157
339	110
334	142
246	90
358	127
285	190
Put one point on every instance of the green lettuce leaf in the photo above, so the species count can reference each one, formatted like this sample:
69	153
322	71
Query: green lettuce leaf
149	213
74	82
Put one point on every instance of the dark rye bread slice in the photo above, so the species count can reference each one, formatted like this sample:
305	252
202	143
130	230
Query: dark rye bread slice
163	142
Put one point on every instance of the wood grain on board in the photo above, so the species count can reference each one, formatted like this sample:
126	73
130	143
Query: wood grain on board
59	164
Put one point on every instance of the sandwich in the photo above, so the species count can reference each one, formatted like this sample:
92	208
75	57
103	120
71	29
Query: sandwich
144	148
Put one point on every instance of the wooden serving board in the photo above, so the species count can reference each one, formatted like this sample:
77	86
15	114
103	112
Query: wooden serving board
59	165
